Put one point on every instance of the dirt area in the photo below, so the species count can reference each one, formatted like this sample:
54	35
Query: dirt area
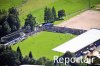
86	20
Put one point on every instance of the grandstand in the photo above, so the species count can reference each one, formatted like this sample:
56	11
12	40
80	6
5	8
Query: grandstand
63	30
13	37
81	44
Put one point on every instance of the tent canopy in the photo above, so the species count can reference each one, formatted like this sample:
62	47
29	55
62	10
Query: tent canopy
79	42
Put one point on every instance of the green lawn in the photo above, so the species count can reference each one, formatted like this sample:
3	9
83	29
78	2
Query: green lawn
6	4
41	44
36	7
70	6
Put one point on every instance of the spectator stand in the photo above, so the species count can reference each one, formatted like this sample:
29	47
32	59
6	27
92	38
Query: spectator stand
13	37
63	30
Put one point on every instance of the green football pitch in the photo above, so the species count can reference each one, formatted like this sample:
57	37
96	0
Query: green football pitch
41	44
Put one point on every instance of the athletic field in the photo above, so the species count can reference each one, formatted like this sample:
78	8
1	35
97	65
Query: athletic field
41	44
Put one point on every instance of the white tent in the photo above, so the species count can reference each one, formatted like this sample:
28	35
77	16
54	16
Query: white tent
79	42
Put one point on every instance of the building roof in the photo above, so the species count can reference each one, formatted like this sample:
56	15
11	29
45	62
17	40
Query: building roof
79	42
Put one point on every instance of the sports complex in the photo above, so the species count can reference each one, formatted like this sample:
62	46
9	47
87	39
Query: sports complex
44	40
78	33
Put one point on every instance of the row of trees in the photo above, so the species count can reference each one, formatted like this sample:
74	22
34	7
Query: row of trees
50	15
30	23
8	57
10	22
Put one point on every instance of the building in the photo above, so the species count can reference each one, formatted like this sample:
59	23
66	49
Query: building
81	44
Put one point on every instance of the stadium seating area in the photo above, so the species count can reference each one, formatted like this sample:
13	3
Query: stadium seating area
63	30
13	37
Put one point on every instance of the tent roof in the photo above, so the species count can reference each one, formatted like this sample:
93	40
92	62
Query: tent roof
79	42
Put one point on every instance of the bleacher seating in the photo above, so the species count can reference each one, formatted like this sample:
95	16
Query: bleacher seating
63	30
12	37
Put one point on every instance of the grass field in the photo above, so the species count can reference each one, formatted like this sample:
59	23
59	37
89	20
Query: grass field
36	7
70	6
6	4
41	44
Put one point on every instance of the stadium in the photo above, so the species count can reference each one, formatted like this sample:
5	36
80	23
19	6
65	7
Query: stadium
78	32
87	43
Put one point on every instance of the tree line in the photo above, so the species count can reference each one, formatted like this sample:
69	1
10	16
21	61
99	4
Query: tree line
9	57
10	22
50	15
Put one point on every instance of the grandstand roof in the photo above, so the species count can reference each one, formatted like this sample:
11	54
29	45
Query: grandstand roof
79	42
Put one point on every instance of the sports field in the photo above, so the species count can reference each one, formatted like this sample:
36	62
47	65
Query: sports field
41	44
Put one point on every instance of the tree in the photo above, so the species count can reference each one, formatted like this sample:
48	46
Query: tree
13	22
69	55
9	23
49	63
13	11
13	19
54	13
45	15
30	54
18	50
8	48
43	60
6	28
9	58
19	54
48	15
61	14
26	60
30	21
